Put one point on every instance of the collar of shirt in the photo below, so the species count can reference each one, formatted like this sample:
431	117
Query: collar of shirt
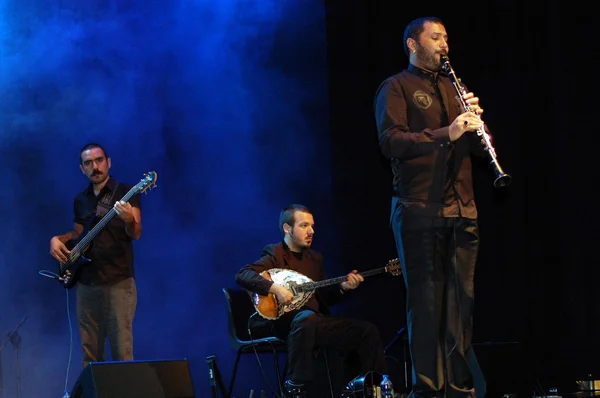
431	76
110	186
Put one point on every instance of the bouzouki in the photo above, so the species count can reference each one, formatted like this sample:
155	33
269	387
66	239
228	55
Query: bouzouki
69	272
302	287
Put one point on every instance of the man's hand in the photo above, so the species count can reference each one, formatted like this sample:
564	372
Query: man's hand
473	103
283	295
58	250
124	211
353	279
468	121
465	122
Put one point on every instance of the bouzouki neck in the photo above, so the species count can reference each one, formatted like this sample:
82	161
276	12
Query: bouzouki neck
328	282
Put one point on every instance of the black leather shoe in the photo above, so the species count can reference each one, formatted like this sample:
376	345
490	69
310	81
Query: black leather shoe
293	390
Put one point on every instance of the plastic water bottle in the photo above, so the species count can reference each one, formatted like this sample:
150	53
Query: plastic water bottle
387	388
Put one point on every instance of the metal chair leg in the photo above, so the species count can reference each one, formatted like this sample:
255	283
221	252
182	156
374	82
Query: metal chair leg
276	360
285	371
235	366
328	373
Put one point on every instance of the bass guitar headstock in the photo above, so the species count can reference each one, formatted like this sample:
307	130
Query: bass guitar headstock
147	183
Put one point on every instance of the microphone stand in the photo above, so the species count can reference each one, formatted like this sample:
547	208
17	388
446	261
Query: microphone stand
215	379
15	339
402	333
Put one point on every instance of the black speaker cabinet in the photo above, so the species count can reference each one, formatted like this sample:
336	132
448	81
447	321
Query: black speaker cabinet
135	379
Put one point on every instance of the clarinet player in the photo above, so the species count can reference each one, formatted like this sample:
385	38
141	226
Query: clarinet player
428	139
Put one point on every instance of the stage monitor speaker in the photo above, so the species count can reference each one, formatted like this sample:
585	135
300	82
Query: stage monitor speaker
135	379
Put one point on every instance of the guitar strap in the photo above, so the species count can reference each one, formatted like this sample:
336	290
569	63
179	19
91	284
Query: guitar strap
106	202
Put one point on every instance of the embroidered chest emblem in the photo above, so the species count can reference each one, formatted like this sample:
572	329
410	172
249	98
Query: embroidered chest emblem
422	99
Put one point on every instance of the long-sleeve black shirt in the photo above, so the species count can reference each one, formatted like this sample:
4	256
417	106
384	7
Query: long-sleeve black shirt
432	176
308	263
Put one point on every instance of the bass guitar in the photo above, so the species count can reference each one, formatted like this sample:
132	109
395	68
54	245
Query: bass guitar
69	272
302	287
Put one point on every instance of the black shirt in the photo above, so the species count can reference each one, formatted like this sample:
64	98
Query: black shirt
308	263
432	176
111	251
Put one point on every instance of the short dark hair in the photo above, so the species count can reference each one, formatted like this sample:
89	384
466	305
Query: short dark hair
414	29
90	146
287	214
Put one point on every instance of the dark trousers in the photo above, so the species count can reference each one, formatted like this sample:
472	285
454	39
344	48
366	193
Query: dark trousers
106	311
309	331
438	257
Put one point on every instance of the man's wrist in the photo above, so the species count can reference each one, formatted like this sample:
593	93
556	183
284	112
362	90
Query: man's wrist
130	227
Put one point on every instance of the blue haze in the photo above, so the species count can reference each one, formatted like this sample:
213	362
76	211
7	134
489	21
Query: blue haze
226	100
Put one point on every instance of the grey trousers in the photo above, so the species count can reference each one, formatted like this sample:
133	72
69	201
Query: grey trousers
106	311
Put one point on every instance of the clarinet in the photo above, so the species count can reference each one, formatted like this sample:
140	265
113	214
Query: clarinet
502	179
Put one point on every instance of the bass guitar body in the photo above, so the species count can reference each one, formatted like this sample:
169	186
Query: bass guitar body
70	272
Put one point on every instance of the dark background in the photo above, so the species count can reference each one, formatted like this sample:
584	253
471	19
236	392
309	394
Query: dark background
242	107
537	270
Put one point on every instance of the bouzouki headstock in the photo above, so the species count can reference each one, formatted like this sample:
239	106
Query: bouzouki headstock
393	267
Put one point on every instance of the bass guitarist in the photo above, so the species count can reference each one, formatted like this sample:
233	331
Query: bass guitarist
106	291
311	326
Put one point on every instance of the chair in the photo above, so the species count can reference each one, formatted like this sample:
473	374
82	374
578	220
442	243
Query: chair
239	310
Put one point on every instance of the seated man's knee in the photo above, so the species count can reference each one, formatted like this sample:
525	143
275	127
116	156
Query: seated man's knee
305	320
371	332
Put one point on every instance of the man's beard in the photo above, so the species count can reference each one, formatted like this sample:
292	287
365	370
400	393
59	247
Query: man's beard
431	62
300	243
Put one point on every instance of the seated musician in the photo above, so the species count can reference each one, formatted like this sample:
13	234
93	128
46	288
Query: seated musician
310	326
